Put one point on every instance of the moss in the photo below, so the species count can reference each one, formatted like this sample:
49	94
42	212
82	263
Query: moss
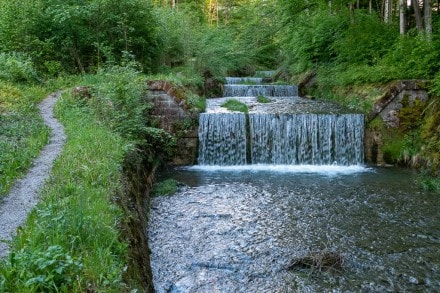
377	124
392	150
166	187
411	113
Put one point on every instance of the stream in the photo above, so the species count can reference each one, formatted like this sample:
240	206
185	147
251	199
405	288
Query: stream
238	229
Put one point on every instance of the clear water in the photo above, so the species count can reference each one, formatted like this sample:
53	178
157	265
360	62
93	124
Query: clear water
237	229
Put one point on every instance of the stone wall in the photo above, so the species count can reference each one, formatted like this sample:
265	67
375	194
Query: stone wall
172	114
387	108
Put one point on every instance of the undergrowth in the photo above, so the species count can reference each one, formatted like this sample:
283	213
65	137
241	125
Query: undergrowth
22	131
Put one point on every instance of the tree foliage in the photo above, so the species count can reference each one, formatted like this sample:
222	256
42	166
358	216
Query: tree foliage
79	35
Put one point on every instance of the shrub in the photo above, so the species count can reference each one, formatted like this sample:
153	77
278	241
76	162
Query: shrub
17	67
413	57
365	41
118	100
43	271
310	40
81	35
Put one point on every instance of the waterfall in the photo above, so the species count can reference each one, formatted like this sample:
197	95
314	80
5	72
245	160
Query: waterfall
315	139
282	138
222	139
244	80
240	90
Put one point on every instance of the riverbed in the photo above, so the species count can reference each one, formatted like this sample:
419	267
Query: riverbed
240	229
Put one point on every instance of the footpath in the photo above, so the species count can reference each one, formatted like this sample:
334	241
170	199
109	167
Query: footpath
24	195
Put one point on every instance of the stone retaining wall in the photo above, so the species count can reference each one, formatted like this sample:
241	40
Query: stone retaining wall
173	115
387	108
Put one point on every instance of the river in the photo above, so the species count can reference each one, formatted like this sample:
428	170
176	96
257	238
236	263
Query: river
239	229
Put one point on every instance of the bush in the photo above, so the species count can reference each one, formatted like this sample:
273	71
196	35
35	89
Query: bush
17	67
218	53
311	38
118	100
365	41
42	271
263	99
413	57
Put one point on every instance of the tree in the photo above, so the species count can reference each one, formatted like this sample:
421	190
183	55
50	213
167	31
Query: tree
402	13
80	34
417	15
428	18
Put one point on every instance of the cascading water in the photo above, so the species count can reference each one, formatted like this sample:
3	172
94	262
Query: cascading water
292	139
241	90
222	139
244	80
284	136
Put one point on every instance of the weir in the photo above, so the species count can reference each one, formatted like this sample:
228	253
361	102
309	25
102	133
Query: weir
287	136
240	90
222	139
244	80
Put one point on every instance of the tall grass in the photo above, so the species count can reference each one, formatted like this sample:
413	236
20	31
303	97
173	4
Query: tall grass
22	131
71	241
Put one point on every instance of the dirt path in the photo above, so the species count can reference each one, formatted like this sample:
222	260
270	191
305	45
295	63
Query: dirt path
24	194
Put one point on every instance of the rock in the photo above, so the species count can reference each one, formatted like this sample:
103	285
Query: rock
413	280
81	92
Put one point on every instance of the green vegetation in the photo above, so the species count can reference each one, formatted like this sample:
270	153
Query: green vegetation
75	217
72	241
78	36
22	131
165	187
235	105
263	99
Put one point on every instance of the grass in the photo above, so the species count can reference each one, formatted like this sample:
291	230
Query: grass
71	242
22	131
165	187
263	99
235	105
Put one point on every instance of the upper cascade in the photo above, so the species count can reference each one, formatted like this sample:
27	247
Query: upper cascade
254	86
270	90
244	80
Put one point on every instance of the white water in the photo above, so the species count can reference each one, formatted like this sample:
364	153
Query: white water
222	139
329	170
306	139
281	132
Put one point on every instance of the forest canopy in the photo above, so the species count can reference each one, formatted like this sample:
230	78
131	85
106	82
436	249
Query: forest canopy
352	41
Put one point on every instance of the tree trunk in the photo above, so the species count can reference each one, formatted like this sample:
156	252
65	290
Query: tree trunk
402	13
351	8
387	11
428	18
417	15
